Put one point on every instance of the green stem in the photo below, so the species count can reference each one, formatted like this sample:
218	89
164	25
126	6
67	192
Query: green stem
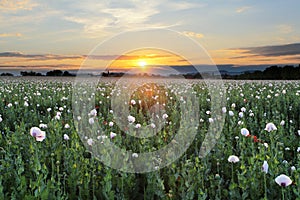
282	191
219	186
232	172
265	184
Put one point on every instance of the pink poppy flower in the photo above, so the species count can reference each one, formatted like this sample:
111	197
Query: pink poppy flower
38	134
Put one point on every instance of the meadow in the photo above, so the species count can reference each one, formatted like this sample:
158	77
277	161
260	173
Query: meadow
43	154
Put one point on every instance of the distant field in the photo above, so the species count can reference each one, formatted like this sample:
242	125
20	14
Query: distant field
53	161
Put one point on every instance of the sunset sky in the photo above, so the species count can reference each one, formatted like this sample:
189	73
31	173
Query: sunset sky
43	35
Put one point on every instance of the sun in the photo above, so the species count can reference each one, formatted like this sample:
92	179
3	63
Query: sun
142	63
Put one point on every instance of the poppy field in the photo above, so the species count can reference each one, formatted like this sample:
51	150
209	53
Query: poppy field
43	154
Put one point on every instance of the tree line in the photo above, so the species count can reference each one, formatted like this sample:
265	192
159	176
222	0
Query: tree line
288	72
49	73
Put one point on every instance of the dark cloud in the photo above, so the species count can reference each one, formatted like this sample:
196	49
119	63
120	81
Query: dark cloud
39	56
39	67
272	51
242	57
17	54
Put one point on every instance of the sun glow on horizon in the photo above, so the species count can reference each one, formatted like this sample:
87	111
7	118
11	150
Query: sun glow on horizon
142	63
146	60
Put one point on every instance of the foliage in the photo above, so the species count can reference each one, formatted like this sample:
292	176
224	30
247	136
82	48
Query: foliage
60	168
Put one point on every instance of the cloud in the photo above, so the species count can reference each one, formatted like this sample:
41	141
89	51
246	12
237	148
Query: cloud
45	57
39	67
98	18
276	50
104	17
13	5
10	35
39	56
113	57
285	28
126	57
193	34
293	58
183	5
275	54
243	9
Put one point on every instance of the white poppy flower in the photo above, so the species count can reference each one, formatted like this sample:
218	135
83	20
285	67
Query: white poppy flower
283	180
133	102
266	145
66	137
91	121
285	162
233	159
135	155
165	116
152	125
112	135
293	168
93	112
245	132
131	119
265	167
224	110
241	114
270	127
26	104
240	122
43	126
90	142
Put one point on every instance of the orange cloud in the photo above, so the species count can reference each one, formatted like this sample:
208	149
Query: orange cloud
11	35
16	5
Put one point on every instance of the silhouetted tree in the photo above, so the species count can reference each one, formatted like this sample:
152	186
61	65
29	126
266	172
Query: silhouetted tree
54	73
288	72
66	73
6	74
31	73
